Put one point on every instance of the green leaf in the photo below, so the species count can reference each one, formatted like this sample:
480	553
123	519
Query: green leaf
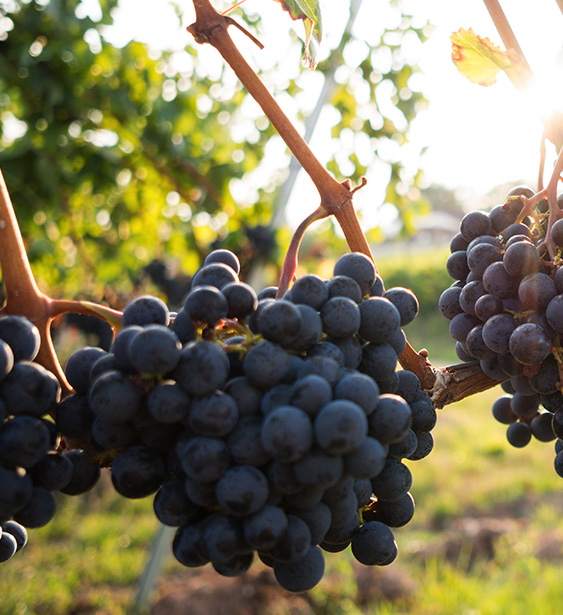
479	60
310	12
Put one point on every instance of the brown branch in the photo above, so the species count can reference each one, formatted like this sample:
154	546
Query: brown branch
211	27
456	382
525	74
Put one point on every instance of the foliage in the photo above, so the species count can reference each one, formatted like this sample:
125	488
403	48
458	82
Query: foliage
115	157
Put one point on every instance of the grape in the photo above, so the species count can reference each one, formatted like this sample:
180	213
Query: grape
120	347
497	332
391	419
449	302
24	440
541	428
245	442
469	296
396	513
294	543
53	472
241	299
310	332
518	434
219	538
79	365
318	468
242	490
521	258
517	228
16	488
21	335
536	291
310	290
184	546
146	310
502	410
340	317
457	266
114	398
203	368
38	511
18	531
265	528
405	301
425	444
223	256
183	327
317	517
481	256
475	223
461	325
310	394
137	472
497	281
529	344
206	304
155	351
378	361
287	433
30	389
367	460
458	243
487	306
393	481
215	274
235	566
205	460
6	359
340	427
554	313
343	286
215	415
8	546
266	365
302	574
360	389
358	267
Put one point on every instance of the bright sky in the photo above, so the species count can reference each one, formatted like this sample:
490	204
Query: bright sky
476	137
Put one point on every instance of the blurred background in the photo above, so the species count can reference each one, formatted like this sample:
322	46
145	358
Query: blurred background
130	152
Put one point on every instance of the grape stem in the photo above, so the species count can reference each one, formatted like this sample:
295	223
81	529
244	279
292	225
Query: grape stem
549	192
23	296
289	268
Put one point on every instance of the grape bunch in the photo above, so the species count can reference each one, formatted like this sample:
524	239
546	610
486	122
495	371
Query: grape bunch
506	312
31	466
264	427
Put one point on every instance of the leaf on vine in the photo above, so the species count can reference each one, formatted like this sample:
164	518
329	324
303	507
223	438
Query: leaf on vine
309	12
479	60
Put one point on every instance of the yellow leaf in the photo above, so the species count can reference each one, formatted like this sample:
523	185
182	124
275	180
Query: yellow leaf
479	60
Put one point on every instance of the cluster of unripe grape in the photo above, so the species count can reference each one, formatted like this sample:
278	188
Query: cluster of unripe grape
506	311
263	426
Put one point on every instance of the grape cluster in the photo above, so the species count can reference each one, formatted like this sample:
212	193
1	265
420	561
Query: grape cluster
506	311
31	467
264	427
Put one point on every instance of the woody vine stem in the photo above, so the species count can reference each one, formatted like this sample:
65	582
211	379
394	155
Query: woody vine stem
24	297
